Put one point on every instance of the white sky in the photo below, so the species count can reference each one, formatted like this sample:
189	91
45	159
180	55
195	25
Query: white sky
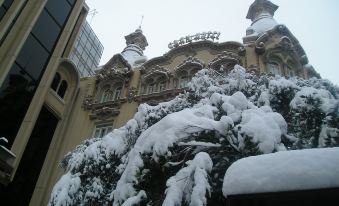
313	22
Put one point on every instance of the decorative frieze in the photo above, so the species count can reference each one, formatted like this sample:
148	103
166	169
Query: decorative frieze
131	94
194	38
225	57
190	62
155	71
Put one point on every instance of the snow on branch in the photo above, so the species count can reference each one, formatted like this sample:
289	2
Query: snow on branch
190	183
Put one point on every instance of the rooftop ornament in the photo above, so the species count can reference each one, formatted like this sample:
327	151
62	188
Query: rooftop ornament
194	38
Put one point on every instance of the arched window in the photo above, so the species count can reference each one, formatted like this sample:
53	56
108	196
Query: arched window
193	71
106	96
183	81
273	68
290	71
162	86
117	93
56	81
62	89
151	88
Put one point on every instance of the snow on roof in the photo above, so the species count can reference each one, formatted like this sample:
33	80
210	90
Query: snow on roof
283	171
262	25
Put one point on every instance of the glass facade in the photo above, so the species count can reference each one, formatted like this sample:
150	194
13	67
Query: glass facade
87	52
24	76
4	8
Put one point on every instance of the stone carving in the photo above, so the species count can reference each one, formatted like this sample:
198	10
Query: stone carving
225	56
87	102
155	71
285	44
131	94
260	48
190	61
197	37
241	51
113	73
104	113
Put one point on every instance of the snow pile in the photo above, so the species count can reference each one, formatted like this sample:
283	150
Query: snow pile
283	171
263	25
157	139
190	183
264	127
307	95
64	190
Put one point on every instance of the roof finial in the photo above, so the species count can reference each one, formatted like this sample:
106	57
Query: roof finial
142	18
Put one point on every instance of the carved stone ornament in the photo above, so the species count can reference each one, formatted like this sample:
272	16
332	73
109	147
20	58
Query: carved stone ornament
285	44
196	37
225	56
260	48
241	51
104	113
190	61
131	94
284	48
114	73
87	102
155	71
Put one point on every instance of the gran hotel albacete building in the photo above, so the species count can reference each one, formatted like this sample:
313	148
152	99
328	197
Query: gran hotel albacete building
110	98
95	105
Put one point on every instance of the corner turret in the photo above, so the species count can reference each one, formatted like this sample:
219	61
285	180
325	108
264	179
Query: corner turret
261	13
136	43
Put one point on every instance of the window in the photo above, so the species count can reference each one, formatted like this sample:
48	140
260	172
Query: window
183	81
117	93
106	96
162	86
4	7
46	23
290	71
151	88
273	68
60	87
101	130
59	9
33	57
56	81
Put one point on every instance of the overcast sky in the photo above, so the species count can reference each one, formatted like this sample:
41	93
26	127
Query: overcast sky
313	22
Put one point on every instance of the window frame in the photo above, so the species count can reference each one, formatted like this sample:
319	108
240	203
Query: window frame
270	68
102	129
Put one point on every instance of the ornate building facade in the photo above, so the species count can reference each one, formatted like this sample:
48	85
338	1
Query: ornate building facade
95	105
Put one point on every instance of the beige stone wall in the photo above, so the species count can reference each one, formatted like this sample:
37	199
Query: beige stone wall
50	171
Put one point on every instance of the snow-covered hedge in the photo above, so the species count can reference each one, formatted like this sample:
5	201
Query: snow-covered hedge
178	151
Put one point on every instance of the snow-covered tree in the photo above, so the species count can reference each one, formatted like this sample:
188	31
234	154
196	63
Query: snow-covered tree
177	153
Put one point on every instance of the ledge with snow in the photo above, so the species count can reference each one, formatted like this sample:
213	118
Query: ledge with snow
301	177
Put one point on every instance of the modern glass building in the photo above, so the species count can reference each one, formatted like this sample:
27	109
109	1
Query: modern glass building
37	83
87	51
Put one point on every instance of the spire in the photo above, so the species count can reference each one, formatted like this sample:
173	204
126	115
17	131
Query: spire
137	38
142	18
261	13
261	9
136	43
